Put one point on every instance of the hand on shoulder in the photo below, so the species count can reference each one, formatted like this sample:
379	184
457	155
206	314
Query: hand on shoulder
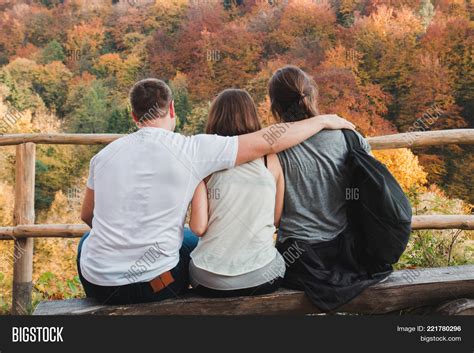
334	122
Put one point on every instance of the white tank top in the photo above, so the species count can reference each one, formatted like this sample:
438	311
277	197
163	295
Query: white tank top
239	238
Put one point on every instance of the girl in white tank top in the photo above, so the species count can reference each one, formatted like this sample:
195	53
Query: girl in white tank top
235	212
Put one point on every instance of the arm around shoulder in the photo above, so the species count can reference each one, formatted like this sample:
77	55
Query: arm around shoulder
278	137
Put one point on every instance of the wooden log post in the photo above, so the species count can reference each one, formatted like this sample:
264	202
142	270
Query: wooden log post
24	213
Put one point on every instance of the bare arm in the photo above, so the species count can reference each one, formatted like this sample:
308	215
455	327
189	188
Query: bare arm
280	194
199	210
87	211
278	137
274	167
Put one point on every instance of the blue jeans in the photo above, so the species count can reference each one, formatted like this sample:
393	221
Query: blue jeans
142	292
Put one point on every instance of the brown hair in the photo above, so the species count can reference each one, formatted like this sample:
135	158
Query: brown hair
150	99
293	94
232	113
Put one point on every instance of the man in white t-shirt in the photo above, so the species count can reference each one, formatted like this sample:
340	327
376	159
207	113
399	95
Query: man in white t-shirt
139	189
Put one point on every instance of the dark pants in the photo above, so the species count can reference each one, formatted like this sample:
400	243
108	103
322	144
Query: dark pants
142	292
265	288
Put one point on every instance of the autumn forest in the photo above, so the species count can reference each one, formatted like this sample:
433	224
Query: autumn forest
386	65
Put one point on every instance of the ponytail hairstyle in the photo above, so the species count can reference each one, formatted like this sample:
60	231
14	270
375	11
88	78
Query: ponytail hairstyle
293	95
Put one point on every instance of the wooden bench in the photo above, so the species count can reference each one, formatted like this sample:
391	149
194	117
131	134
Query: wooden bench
450	287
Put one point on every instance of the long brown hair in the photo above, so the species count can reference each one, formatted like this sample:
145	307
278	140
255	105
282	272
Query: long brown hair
232	113
293	94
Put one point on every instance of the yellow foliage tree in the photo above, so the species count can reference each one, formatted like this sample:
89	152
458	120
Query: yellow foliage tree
109	64
55	259
86	37
6	204
6	247
404	166
169	13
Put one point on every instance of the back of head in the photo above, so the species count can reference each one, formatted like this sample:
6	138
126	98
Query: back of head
293	94
232	113
150	99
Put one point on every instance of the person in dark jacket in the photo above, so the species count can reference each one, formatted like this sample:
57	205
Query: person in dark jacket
321	250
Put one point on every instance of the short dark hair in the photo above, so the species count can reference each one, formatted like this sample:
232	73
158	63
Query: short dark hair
232	113
293	94
150	99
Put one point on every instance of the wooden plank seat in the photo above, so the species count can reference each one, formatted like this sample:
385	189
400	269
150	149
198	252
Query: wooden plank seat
402	290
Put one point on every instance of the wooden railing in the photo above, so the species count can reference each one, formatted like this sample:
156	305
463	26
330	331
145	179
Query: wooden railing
24	230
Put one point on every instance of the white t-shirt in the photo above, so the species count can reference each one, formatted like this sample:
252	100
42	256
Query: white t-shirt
143	184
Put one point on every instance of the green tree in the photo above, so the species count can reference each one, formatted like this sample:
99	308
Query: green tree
169	14
89	108
345	11
51	3
57	167
51	83
182	105
120	121
197	119
52	52
18	76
